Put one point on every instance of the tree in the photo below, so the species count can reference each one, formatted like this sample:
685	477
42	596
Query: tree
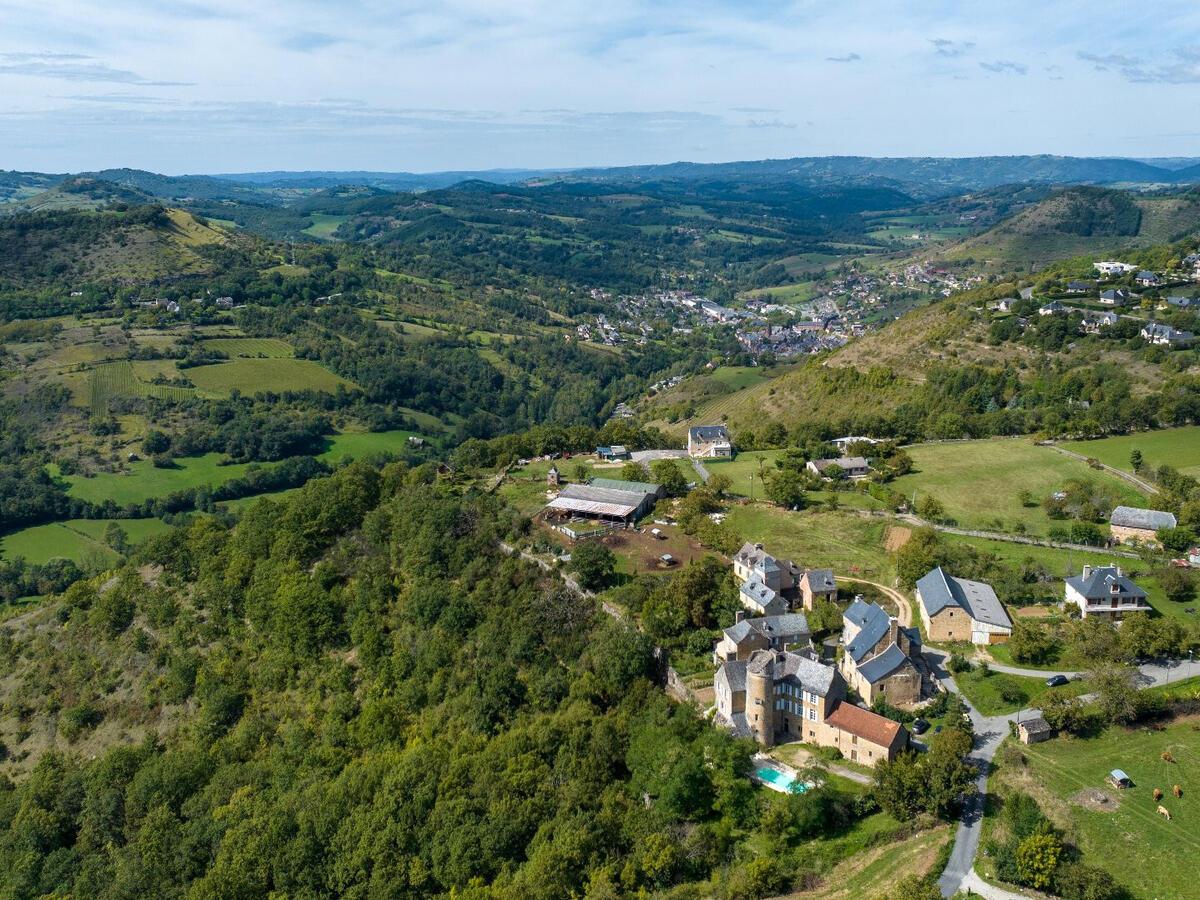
1030	642
1063	712
1135	459
1117	694
155	442
929	507
666	472
1178	584
1177	539
1037	857
719	483
913	887
918	556
786	487
634	471
594	563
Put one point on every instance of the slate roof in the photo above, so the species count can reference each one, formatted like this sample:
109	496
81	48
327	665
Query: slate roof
864	723
873	622
781	665
884	664
1133	517
939	590
768	626
733	675
821	580
757	592
1099	584
1036	725
755	557
708	433
845	462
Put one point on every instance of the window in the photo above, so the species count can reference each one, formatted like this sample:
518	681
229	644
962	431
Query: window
812	714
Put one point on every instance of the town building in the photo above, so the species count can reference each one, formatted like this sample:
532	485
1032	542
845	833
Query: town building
817	584
761	599
747	635
955	609
1130	523
781	696
709	442
879	657
1104	591
753	562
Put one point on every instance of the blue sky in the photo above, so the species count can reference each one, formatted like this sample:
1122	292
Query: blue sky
225	85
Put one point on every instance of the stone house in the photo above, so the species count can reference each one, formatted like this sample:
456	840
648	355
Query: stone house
1129	523
817	584
709	442
879	655
739	641
955	609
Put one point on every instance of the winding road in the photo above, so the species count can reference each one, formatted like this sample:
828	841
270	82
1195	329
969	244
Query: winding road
990	732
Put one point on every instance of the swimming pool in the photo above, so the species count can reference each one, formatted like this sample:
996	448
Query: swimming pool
782	782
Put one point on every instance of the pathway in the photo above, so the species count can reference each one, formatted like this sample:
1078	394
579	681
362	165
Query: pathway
990	732
1120	473
918	522
904	607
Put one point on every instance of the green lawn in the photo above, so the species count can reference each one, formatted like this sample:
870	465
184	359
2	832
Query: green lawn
244	502
76	539
525	487
738	377
977	482
984	691
1178	447
849	544
252	376
324	225
741	467
1150	856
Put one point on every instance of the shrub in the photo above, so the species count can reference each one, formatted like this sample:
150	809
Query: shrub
75	720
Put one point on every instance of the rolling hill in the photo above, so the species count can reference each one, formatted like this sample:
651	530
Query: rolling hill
1079	221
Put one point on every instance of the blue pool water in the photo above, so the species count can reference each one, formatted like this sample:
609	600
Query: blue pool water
782	781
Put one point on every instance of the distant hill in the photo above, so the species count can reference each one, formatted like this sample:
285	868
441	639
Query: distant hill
1079	221
20	185
68	246
78	192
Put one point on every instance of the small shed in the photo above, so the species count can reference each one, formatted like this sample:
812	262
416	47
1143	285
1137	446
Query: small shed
1034	731
1118	779
552	477
666	560
658	533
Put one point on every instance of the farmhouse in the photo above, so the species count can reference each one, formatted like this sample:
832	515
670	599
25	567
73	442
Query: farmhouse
746	635
955	609
752	562
817	584
878	661
1104	591
782	696
851	466
1129	523
709	441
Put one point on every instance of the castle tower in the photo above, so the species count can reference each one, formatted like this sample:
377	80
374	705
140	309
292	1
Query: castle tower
760	697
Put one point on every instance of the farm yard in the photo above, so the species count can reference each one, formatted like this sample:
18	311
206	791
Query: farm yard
1139	847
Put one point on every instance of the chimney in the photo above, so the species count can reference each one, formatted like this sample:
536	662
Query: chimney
1120	571
758	546
1087	570
738	616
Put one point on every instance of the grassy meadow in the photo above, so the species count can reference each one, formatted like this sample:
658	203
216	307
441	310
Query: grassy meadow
1177	447
978	482
75	539
253	376
1140	848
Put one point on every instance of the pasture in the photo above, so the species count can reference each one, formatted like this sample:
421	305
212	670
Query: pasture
1177	447
362	445
253	376
1148	855
144	482
978	482
81	540
117	379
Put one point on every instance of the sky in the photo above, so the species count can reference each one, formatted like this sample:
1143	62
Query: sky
208	86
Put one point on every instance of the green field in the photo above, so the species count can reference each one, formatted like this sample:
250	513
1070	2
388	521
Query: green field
849	544
324	225
255	347
738	377
1142	850
76	539
1177	447
252	376
360	445
977	482
242	503
117	379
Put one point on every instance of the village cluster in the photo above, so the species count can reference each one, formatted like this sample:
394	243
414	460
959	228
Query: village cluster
772	682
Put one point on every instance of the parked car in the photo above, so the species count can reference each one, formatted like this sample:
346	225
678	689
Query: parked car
920	726
1057	680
